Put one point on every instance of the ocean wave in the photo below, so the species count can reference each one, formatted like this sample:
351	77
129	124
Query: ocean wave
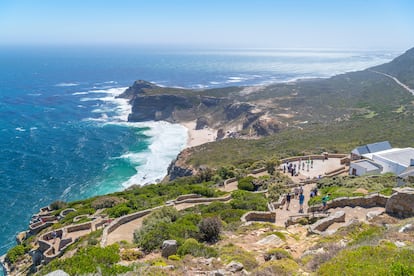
20	129
66	84
167	140
80	93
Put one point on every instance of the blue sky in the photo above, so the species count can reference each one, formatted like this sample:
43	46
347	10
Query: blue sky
368	24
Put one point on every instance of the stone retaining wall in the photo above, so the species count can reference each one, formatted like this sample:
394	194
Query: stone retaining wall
321	225
335	171
230	180
369	201
122	220
259	216
260	170
183	197
66	212
204	199
79	227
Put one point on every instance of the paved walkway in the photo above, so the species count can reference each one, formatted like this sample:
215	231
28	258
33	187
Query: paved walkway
282	215
126	231
319	168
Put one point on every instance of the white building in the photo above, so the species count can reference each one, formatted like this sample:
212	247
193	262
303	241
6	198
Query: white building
395	160
364	167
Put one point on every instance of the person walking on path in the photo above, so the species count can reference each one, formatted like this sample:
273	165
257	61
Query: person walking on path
325	200
301	201
288	197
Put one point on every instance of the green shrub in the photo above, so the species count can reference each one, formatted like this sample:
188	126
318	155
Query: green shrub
246	184
105	202
119	210
58	204
196	249
174	258
232	252
150	237
371	260
165	224
279	234
210	229
303	221
231	215
89	260
248	201
15	253
131	254
278	267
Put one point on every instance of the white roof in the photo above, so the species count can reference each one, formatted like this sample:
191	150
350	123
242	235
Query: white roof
395	155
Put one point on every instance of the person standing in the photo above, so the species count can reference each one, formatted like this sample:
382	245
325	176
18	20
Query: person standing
288	198
325	200
301	201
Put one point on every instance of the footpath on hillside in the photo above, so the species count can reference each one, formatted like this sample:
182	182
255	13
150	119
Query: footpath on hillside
319	168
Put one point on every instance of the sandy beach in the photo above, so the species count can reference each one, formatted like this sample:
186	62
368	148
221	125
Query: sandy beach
198	137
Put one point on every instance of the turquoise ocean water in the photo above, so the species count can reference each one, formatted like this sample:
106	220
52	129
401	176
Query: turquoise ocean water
64	136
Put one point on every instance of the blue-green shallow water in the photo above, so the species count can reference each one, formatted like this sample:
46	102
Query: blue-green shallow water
63	136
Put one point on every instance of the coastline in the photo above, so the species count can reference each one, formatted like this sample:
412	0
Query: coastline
198	137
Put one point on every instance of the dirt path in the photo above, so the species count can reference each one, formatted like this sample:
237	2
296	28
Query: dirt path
406	87
125	231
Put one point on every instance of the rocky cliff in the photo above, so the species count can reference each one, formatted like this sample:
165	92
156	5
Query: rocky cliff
222	108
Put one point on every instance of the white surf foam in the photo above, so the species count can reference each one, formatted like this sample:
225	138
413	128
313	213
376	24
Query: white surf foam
66	84
165	142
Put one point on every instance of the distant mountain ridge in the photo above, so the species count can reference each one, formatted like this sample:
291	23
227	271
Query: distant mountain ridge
402	67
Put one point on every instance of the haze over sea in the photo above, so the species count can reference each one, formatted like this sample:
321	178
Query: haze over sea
64	136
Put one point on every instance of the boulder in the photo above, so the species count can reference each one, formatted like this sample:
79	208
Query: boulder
169	247
373	214
401	203
406	228
323	224
271	239
234	266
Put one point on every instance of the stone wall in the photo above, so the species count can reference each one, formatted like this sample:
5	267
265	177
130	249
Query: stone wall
340	169
230	180
66	211
401	203
183	197
79	227
369	201
204	199
122	220
260	170
259	216
323	224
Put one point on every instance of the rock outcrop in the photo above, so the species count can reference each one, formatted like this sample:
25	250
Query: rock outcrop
169	247
157	107
401	203
177	168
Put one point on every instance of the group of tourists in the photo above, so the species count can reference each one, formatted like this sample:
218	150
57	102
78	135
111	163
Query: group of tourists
293	169
297	193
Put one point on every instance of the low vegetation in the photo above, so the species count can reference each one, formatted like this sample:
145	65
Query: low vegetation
371	260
